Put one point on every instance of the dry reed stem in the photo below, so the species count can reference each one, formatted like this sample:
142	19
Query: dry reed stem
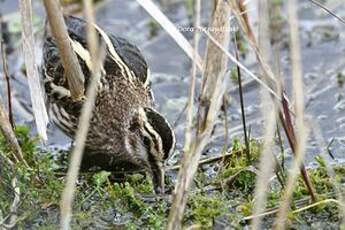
190	103
7	78
37	98
171	29
274	30
10	137
211	99
266	165
268	159
73	72
84	120
298	98
264	30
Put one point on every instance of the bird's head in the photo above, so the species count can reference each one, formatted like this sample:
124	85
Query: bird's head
151	142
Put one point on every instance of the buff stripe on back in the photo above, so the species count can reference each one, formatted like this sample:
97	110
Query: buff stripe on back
123	67
151	131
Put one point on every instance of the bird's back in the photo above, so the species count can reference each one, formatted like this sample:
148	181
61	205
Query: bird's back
122	90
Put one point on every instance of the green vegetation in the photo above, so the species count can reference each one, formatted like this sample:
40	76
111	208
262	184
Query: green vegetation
101	202
189	5
234	75
237	165
340	79
241	43
153	28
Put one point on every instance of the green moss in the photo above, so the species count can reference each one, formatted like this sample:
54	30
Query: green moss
237	164
320	179
141	183
98	199
126	200
38	185
322	184
203	208
246	208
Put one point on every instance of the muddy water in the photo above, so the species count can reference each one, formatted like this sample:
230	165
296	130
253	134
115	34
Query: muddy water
323	52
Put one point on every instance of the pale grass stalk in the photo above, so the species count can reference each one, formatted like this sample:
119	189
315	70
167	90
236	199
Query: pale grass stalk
298	98
36	93
9	135
275	31
211	99
10	221
73	72
329	11
273	41
171	29
266	167
84	120
264	43
16	202
92	38
267	163
190	104
321	202
304	208
264	30
335	4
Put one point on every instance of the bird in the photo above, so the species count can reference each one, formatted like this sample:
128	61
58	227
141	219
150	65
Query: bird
126	132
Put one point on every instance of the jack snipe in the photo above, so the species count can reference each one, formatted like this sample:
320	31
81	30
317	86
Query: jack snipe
126	132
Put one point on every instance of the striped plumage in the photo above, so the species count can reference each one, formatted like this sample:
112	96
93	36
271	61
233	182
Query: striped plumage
125	131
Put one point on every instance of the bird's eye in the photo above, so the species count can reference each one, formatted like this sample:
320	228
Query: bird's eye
147	142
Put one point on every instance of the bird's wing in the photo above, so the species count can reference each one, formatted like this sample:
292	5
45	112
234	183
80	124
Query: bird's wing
121	55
